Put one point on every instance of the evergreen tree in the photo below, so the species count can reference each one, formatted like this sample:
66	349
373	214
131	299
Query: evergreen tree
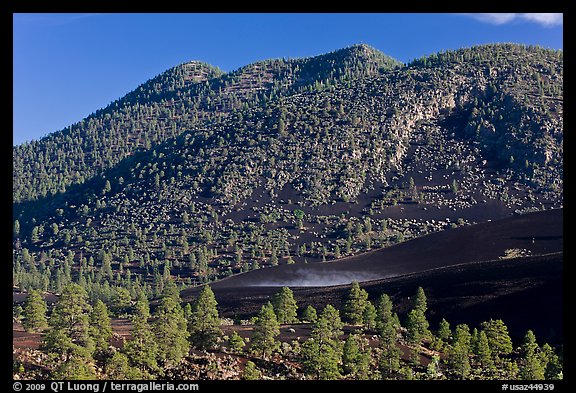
251	372
204	324
100	326
309	314
444	332
356	356
79	368
390	353
236	343
142	348
551	362
34	312
531	367
383	312
171	290
369	315
266	330
322	352
432	370
498	338
483	351
459	359
354	308
420	301
171	332
118	367
68	337
416	322
415	326
285	306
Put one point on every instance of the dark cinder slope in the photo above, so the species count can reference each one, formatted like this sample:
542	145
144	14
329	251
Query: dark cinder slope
526	293
540	233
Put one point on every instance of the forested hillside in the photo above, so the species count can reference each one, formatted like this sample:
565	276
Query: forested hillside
181	98
289	161
198	175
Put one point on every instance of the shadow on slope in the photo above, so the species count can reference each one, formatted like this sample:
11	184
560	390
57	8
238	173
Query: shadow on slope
539	233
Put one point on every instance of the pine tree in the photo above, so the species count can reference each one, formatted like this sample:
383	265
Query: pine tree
309	314
171	331
551	362
78	368
204	324
389	363
498	338
266	330
100	326
354	308
531	367
69	336
121	300
34	312
369	315
322	352
383	312
459	359
444	332
285	306
416	322
118	367
236	343
484	352
420	301
356	357
251	372
142	348
350	354
433	367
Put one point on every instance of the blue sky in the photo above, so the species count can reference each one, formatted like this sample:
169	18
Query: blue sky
67	66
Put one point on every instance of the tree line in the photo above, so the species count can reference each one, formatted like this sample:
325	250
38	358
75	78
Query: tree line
364	340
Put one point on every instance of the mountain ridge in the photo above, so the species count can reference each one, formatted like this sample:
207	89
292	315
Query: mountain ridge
369	162
118	130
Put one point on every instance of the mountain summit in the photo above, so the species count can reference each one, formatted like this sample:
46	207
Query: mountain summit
180	98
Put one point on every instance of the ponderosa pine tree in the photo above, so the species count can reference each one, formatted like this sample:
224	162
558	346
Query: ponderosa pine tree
531	367
322	352
171	331
356	357
204	326
309	314
483	351
69	323
459	354
354	307
389	362
251	372
118	367
420	301
444	333
416	323
236	343
551	362
285	306
34	312
383	312
142	348
369	315
498	338
100	326
266	330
